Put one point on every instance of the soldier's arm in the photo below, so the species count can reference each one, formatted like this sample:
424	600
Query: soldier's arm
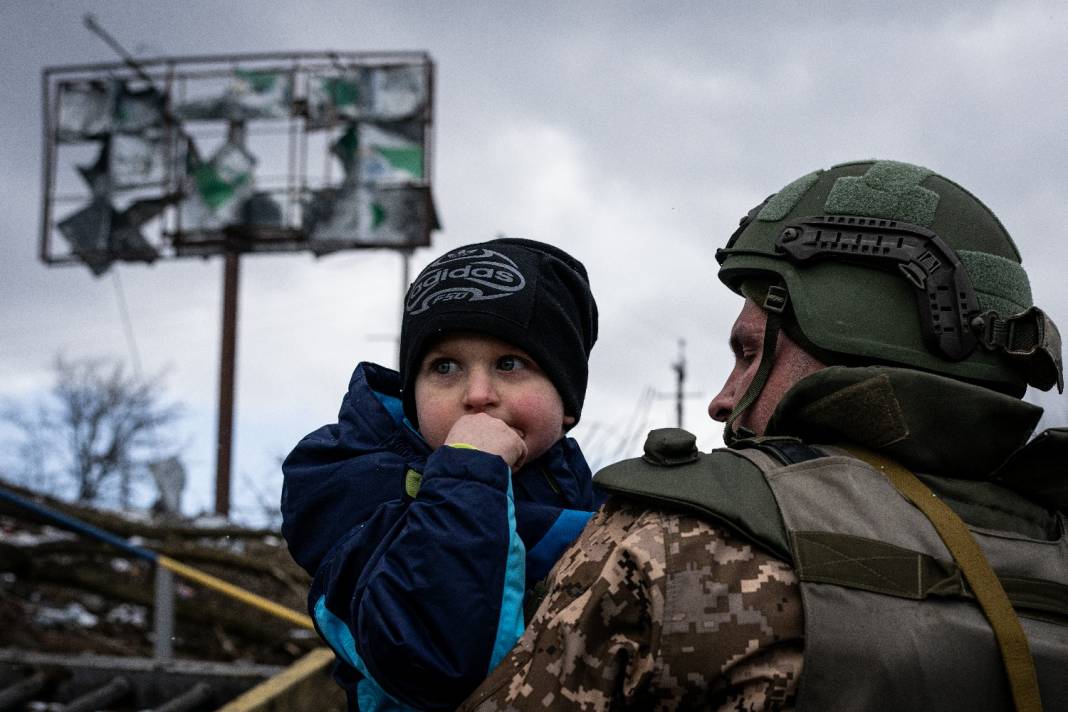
596	632
652	608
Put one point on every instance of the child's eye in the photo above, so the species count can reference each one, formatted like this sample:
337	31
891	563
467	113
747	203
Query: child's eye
510	363
444	366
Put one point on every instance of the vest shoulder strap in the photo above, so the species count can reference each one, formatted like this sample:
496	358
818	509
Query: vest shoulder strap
721	485
787	450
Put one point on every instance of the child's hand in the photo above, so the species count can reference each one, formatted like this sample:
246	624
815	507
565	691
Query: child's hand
491	435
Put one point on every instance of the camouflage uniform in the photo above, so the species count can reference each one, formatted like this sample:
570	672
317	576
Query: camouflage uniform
656	610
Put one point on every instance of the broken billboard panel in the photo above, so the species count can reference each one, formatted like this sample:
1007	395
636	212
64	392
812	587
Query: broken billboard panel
397	215
346	149
398	92
262	210
338	218
93	109
85	110
332	219
382	93
136	160
99	235
137	110
217	189
391	153
246	95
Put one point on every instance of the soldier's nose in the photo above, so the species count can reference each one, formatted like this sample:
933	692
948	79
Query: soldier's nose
720	407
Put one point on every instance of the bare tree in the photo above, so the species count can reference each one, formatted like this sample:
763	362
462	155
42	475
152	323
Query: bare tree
261	495
97	430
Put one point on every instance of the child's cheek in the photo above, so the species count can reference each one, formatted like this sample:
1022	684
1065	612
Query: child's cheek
540	417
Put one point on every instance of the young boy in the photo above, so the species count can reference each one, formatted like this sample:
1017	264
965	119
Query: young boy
445	492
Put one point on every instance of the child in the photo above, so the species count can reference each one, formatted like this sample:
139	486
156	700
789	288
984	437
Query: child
445	492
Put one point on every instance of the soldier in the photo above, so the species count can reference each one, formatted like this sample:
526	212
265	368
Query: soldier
886	340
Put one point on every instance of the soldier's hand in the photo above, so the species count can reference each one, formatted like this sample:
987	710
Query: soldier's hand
491	435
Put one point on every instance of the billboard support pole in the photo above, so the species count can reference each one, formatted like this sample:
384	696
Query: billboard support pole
227	359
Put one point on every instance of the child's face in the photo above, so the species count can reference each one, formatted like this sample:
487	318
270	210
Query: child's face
465	373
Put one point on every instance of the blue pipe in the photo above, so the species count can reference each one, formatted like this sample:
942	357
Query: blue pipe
76	525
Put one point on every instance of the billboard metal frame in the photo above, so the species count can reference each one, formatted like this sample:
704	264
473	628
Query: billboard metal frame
169	75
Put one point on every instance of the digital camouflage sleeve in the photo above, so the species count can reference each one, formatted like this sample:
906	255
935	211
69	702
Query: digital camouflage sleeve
656	610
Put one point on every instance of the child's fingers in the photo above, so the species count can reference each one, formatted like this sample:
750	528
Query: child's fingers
489	434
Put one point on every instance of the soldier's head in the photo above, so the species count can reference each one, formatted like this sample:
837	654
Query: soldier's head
880	262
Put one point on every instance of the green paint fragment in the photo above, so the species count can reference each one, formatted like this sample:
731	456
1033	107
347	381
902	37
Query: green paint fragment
784	201
259	82
409	160
378	215
213	188
342	92
345	148
889	190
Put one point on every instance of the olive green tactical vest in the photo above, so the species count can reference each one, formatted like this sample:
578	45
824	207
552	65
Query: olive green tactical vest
889	622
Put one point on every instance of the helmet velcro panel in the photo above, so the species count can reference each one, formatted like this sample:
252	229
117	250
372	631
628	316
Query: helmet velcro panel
1000	284
780	204
890	190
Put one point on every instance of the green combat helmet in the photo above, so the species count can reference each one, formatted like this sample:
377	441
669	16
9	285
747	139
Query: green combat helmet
888	262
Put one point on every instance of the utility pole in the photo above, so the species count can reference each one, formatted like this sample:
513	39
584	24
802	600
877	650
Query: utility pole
406	279
680	394
227	362
680	379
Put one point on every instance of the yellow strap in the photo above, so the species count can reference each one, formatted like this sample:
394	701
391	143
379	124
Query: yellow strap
1015	652
277	691
233	591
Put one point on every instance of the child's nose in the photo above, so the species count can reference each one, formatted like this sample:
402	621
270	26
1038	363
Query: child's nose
481	391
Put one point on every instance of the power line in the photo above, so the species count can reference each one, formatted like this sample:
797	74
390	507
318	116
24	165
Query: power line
93	26
639	416
124	315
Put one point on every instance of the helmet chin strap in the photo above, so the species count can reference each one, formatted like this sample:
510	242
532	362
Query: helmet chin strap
774	306
731	436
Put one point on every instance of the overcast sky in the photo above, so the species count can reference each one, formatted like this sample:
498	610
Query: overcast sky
633	134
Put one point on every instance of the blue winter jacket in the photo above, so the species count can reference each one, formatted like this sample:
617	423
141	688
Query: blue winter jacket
420	597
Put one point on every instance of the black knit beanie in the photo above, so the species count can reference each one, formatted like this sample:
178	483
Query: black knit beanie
524	292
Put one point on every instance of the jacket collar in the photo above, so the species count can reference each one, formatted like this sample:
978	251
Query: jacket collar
926	422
